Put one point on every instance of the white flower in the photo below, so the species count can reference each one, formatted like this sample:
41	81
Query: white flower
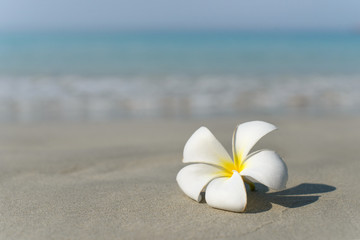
223	177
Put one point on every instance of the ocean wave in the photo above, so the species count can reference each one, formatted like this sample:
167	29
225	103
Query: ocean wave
44	98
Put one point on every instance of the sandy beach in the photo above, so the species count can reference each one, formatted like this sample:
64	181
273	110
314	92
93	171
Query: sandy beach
116	180
98	100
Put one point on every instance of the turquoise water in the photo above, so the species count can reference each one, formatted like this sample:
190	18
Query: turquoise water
164	53
104	76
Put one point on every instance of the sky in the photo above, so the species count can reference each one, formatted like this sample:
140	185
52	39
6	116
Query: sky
179	14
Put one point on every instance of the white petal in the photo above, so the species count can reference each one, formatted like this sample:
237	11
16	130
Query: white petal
267	168
193	178
203	147
246	135
227	193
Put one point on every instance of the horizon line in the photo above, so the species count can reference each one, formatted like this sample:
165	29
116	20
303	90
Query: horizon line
180	30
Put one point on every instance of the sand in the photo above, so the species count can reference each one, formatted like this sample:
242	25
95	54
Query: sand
117	181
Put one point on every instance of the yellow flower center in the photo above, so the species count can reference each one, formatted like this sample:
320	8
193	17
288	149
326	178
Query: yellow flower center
229	167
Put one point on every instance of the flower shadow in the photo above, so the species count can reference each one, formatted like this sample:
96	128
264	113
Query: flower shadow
298	196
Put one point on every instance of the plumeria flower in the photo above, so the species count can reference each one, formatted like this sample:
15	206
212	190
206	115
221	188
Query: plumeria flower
221	177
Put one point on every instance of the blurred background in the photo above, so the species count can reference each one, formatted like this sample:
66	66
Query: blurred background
101	60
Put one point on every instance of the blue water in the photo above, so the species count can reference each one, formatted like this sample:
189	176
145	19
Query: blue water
103	76
185	53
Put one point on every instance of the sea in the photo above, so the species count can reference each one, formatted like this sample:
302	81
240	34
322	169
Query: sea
101	76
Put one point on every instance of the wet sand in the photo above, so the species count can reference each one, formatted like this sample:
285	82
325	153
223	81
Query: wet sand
117	181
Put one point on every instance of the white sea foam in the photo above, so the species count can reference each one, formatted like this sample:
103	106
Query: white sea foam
80	98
